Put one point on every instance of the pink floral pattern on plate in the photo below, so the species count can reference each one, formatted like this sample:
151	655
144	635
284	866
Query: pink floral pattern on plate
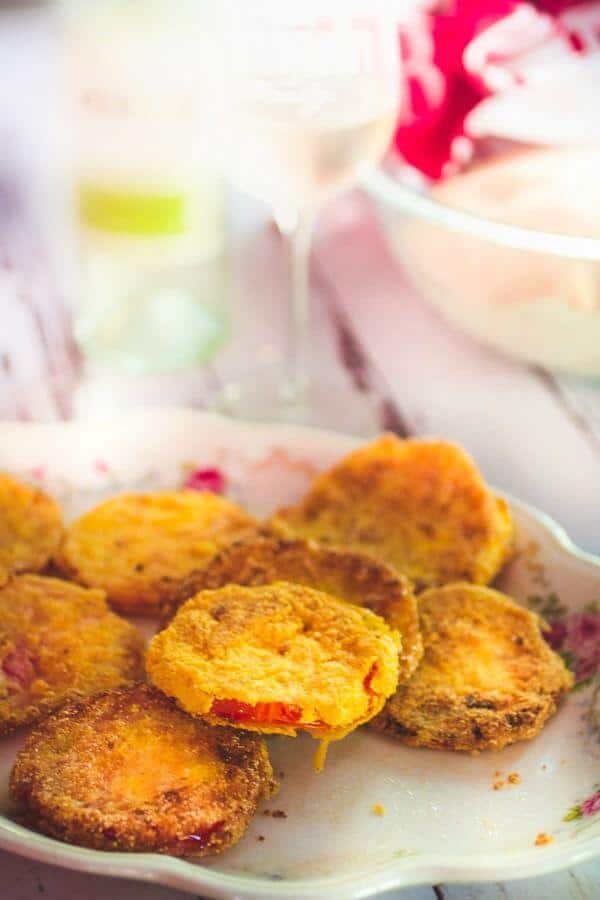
585	809
573	634
211	479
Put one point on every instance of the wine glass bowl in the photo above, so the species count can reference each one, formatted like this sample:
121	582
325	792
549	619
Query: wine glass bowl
307	102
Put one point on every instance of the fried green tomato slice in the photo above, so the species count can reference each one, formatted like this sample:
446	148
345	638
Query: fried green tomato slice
420	506
58	640
276	658
353	577
128	770
30	527
136	547
487	678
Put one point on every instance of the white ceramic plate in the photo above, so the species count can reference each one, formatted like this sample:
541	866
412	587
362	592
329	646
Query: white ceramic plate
443	820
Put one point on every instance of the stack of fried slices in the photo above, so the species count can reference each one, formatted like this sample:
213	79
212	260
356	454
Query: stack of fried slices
365	604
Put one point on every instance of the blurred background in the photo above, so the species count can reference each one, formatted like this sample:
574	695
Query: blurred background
359	218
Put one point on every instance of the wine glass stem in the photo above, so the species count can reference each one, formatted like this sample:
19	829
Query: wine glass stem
296	371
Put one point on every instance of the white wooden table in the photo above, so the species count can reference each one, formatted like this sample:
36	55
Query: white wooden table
533	434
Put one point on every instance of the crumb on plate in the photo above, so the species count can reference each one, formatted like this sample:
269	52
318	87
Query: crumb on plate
378	809
542	839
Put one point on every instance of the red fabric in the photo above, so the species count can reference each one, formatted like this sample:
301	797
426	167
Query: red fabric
438	91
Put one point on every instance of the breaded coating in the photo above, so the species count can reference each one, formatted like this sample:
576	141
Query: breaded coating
353	577
420	506
487	678
30	527
58	641
276	659
136	547
128	770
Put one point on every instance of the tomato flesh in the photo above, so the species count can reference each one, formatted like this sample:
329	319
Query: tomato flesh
268	713
273	712
369	677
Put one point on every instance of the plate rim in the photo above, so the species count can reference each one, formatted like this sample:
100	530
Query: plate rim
172	872
408	872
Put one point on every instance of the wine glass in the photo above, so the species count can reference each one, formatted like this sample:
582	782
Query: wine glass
308	98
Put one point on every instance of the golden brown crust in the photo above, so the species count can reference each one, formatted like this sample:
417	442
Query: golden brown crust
487	677
420	506
57	641
354	577
128	770
30	527
137	547
278	647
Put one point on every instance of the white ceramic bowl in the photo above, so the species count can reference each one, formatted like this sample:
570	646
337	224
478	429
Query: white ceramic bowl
509	251
443	820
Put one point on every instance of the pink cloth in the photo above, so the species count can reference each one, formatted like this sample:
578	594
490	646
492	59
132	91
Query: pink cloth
478	68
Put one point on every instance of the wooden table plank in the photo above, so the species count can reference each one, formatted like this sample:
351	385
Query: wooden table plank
24	879
582	883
